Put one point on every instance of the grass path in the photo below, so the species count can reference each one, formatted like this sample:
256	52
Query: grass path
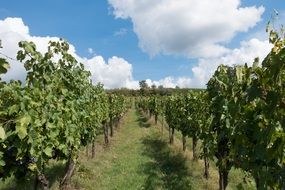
137	159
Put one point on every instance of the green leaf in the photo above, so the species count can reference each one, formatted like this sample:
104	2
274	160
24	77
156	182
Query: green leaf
273	36
239	74
32	166
13	109
22	132
50	125
2	133
48	151
64	91
2	163
21	127
4	66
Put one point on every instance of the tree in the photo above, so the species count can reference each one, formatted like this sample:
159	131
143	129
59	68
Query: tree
143	84
143	87
160	87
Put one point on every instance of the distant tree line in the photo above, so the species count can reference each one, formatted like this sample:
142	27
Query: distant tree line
146	90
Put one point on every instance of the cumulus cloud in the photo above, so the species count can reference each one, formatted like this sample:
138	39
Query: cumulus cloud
246	53
193	28
171	82
116	73
206	67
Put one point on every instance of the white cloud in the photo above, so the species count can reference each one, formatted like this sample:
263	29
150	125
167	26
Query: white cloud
193	28
90	50
117	72
121	32
114	74
206	67
246	53
171	82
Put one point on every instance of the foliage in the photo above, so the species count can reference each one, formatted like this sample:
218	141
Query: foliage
56	112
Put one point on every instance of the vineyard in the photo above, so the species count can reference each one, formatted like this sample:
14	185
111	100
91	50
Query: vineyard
238	119
57	114
53	115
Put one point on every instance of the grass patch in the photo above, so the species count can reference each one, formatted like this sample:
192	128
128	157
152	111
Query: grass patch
168	169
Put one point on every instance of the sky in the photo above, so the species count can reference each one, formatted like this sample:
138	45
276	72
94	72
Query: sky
121	42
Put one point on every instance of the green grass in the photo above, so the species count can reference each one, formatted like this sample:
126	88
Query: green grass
236	176
138	157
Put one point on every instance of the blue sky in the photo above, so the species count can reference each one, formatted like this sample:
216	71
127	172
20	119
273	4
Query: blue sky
93	24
